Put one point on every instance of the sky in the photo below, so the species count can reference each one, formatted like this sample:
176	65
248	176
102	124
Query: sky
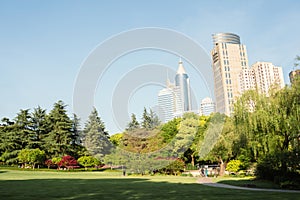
44	44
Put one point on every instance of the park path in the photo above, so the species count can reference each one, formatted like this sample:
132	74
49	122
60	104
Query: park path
208	181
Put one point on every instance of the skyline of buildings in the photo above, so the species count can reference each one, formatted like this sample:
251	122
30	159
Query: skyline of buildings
232	77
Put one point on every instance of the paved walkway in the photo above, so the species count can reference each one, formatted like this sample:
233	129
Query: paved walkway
208	181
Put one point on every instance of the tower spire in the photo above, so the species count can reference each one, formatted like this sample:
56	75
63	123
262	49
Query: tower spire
181	69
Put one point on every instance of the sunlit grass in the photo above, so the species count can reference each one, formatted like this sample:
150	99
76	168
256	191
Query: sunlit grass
18	184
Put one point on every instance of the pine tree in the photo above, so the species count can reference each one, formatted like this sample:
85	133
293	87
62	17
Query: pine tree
95	138
150	120
134	124
39	127
58	140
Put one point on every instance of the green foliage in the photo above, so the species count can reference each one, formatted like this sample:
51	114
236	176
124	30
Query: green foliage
31	156
88	161
174	168
149	120
116	139
170	129
133	124
95	138
58	139
233	166
56	160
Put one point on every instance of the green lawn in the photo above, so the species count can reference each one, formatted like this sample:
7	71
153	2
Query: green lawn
247	182
15	184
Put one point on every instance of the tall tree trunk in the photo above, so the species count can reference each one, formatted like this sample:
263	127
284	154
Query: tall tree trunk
193	160
222	167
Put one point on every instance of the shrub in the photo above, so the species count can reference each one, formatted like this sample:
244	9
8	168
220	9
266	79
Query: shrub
88	161
68	162
233	166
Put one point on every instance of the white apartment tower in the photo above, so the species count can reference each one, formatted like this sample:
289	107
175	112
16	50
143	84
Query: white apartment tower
266	76
229	58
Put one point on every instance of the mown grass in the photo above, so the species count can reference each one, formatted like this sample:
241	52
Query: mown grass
247	182
25	185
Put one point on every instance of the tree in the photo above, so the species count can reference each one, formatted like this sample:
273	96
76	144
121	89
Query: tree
149	120
56	161
233	166
10	144
76	141
58	140
133	124
31	156
96	139
68	161
116	139
170	129
217	143
39	127
88	161
194	150
186	133
23	128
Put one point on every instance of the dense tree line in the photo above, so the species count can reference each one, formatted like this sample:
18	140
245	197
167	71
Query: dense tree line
33	137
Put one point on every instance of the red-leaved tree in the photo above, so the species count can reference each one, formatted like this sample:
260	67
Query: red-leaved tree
68	161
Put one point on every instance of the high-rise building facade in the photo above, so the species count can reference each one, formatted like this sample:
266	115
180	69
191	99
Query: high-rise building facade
207	106
175	99
182	81
229	58
265	76
166	102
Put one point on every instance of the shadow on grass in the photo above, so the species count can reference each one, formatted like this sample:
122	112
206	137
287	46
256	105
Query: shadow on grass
122	188
1	171
251	183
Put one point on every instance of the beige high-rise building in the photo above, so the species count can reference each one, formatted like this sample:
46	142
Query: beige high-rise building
229	58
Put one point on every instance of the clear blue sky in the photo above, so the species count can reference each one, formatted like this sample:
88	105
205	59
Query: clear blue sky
44	43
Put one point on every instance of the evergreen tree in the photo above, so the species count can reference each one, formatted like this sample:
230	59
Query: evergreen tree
149	120
95	138
23	129
77	149
58	140
134	124
39	127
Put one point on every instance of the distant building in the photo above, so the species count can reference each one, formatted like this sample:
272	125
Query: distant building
207	106
182	81
266	75
175	99
294	74
166	102
262	76
229	57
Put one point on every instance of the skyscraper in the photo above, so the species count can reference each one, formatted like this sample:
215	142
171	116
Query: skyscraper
175	99
229	57
207	106
182	81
